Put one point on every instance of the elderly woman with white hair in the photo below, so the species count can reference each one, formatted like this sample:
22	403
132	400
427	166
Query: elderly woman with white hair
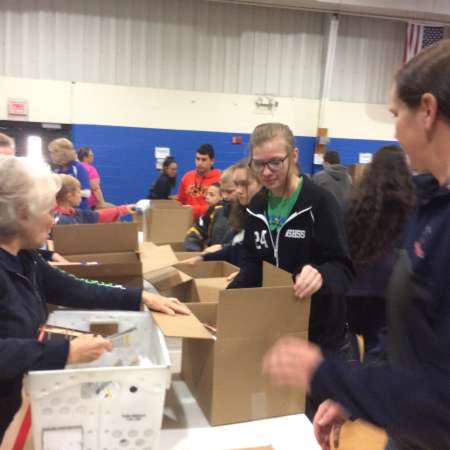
28	283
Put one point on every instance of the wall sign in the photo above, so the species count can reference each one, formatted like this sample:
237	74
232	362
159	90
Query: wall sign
17	109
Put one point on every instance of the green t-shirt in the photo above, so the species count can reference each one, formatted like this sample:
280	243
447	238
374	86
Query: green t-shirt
279	209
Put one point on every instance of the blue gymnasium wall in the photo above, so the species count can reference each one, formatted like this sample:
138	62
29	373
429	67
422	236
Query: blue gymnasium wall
125	159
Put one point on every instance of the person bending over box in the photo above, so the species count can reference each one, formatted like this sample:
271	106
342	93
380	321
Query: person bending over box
68	200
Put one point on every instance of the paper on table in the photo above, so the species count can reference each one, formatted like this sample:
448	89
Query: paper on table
189	430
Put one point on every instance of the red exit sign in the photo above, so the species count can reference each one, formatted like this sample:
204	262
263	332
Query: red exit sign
17	107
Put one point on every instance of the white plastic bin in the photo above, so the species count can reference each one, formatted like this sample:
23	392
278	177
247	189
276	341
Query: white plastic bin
89	407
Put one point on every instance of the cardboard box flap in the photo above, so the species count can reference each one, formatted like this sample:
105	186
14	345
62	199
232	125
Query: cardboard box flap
165	204
146	246
180	325
209	288
274	276
155	257
167	278
260	312
208	269
95	238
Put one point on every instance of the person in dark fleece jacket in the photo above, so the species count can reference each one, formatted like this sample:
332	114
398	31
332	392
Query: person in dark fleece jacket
28	283
163	185
409	398
297	226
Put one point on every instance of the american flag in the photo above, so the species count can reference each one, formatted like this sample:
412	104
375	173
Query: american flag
419	37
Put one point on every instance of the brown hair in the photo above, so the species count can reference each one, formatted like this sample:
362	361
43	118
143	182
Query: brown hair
69	184
266	132
6	141
379	205
238	214
428	72
226	176
332	157
63	147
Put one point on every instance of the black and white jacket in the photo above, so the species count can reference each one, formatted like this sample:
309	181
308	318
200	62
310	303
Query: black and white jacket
312	235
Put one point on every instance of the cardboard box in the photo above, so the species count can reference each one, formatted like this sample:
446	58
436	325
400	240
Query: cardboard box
182	255
174	279
114	246
223	372
200	283
210	277
137	219
166	221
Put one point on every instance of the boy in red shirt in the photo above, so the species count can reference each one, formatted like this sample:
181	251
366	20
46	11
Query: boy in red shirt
195	183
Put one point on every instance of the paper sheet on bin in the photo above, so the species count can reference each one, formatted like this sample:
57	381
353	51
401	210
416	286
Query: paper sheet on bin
182	326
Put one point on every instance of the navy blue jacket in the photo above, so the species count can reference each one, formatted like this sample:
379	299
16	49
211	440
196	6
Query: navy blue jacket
231	252
27	284
410	398
162	187
313	234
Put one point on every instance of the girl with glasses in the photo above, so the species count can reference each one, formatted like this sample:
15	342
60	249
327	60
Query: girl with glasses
298	226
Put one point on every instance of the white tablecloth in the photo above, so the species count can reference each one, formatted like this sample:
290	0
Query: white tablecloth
186	428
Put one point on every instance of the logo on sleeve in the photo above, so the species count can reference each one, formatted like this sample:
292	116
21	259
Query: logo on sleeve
295	234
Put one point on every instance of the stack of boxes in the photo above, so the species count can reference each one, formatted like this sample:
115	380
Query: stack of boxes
223	341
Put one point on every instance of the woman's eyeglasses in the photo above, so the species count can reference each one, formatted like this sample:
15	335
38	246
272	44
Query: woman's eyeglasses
274	165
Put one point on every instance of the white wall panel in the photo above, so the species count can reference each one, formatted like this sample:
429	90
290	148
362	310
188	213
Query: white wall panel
169	44
368	53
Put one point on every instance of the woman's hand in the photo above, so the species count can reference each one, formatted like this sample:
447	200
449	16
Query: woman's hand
307	282
56	257
212	249
193	261
131	208
328	422
292	362
232	276
167	305
87	348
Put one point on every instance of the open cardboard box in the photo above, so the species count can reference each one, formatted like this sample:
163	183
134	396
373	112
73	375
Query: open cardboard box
223	371
112	246
175	279
182	255
166	221
210	277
